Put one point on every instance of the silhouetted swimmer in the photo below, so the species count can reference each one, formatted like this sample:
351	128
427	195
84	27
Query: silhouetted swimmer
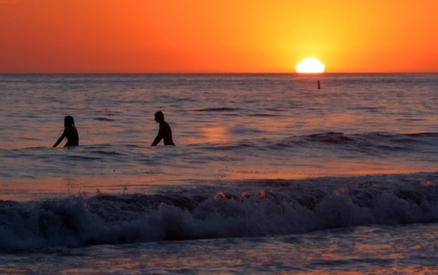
70	133
165	132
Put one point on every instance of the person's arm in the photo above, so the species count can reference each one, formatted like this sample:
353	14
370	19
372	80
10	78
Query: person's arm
159	137
157	140
59	140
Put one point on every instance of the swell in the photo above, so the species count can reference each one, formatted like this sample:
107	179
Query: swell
373	143
379	140
339	137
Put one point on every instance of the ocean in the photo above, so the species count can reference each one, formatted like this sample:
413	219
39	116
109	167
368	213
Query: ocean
269	175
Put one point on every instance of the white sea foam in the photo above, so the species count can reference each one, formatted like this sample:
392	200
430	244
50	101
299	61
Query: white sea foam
248	209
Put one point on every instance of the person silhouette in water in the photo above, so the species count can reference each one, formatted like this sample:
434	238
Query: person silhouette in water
70	133
165	132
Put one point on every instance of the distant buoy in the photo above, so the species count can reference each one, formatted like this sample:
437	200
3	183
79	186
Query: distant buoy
319	85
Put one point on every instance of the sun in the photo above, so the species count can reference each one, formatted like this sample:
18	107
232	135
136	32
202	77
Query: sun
310	65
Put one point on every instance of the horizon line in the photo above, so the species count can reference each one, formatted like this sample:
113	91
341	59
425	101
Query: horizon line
201	73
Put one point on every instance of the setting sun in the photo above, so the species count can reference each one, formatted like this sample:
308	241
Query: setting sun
310	65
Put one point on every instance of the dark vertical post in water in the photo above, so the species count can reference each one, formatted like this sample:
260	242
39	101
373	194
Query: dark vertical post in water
319	85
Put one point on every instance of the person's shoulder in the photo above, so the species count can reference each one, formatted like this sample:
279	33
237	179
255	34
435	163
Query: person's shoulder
70	130
167	125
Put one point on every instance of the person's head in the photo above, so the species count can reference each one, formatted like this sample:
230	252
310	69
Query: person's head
69	121
159	116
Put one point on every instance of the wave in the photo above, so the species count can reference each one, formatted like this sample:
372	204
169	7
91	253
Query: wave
224	109
376	144
386	141
339	137
247	209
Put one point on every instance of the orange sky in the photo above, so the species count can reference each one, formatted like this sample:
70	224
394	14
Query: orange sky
171	36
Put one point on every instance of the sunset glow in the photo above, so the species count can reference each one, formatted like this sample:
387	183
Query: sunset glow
310	65
195	36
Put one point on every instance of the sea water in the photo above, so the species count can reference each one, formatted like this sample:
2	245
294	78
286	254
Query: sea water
269	175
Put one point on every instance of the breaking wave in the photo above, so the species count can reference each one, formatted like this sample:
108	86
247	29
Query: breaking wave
247	209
